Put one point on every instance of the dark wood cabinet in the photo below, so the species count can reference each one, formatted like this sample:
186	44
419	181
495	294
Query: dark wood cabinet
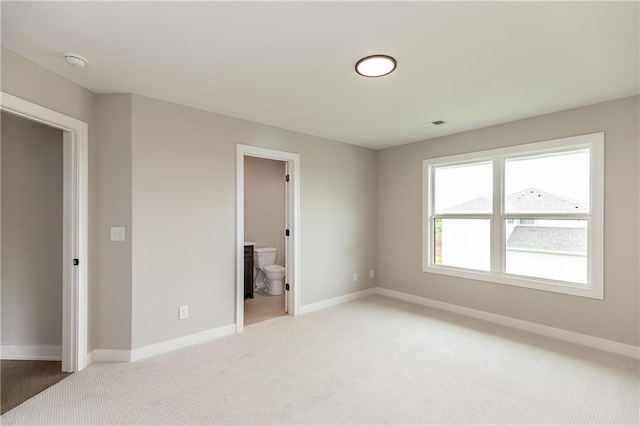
248	272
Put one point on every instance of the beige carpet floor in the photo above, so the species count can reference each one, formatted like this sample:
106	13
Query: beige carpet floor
372	361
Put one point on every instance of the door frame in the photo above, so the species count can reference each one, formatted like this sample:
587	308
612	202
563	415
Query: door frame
75	224
292	242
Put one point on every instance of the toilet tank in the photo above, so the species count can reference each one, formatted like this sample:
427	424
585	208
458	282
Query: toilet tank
264	256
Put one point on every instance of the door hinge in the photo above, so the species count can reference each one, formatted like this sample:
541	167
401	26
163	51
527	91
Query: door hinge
287	178
76	262
286	232
286	286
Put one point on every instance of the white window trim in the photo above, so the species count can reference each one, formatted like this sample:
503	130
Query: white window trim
595	287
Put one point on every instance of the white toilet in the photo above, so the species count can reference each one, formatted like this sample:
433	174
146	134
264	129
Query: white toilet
264	260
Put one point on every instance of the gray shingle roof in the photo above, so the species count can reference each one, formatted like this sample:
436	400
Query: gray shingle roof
536	200
477	205
572	240
529	200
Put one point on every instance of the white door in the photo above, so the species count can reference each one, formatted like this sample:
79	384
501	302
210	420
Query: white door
288	250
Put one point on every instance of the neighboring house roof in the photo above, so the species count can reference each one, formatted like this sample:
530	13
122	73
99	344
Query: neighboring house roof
477	205
547	238
530	200
536	200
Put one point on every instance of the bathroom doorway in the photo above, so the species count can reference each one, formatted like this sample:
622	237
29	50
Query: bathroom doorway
264	233
267	232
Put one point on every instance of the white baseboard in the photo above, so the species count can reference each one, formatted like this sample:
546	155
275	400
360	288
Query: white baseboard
570	336
124	355
109	355
312	307
182	342
31	352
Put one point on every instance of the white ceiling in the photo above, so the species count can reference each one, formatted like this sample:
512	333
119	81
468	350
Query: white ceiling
291	64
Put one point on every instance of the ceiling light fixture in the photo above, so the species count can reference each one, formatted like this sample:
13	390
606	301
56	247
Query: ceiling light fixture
376	66
75	60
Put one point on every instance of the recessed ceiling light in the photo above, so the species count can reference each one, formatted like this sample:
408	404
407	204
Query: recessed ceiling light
75	60
376	66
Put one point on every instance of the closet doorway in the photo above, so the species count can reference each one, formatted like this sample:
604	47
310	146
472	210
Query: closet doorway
73	351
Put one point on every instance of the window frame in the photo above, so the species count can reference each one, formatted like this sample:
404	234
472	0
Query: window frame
594	288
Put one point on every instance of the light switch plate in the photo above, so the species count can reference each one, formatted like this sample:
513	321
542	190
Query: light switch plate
117	234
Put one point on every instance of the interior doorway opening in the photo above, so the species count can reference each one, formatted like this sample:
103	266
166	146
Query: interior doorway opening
265	188
265	286
31	218
74	229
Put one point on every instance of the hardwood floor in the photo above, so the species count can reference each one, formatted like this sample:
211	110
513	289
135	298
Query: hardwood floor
263	307
22	380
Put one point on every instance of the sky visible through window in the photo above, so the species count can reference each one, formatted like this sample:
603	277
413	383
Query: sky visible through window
563	174
458	184
566	174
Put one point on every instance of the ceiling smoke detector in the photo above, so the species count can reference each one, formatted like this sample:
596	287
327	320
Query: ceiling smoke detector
75	60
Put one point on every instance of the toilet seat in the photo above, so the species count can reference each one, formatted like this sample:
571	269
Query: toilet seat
274	268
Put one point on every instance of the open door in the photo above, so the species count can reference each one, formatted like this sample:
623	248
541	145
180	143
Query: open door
288	249
292	227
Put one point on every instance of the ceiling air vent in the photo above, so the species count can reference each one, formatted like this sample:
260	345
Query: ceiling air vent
432	124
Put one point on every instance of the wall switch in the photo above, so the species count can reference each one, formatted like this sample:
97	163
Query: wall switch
117	234
183	312
355	277
371	274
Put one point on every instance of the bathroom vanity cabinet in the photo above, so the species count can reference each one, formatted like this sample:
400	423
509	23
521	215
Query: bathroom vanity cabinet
248	271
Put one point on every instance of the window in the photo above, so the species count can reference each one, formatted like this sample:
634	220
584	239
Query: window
530	215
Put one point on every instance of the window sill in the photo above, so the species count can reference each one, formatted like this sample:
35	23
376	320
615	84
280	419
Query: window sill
591	292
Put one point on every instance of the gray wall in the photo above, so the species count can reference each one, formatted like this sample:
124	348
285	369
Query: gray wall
26	80
32	184
167	174
23	78
110	204
400	226
184	216
264	204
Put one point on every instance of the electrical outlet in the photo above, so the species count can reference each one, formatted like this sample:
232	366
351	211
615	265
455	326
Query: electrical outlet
183	312
355	277
371	275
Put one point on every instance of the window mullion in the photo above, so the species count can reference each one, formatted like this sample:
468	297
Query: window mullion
497	224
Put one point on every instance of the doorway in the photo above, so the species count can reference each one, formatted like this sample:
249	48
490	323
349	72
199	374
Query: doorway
32	182
264	232
291	241
74	221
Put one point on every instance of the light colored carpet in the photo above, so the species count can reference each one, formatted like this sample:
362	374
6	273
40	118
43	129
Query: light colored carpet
372	361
